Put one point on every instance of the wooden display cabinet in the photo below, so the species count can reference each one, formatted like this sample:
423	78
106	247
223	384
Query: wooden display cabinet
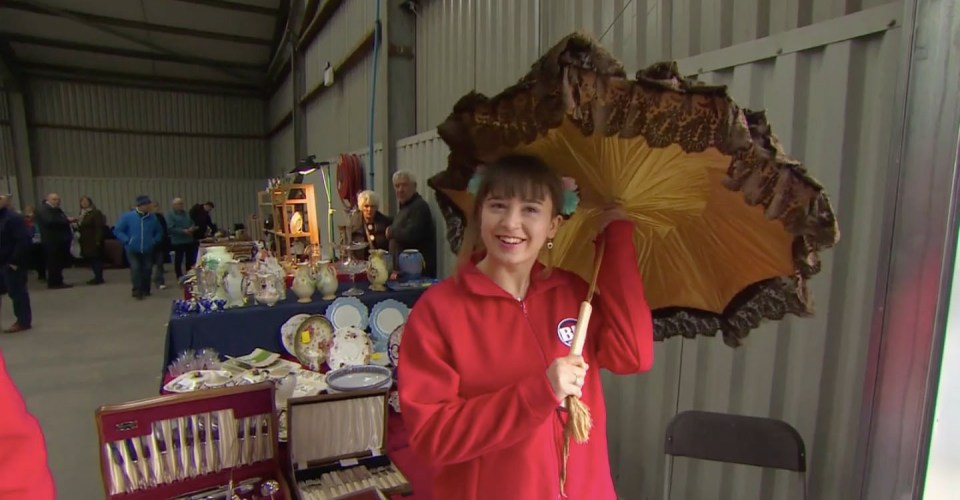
280	203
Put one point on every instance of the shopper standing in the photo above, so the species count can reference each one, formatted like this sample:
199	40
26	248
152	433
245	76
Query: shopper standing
140	233
14	257
92	228
180	227
55	236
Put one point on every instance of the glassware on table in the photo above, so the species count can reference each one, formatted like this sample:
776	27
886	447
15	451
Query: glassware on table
352	267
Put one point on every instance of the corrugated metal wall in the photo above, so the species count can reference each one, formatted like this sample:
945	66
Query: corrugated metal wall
823	86
114	143
339	119
282	152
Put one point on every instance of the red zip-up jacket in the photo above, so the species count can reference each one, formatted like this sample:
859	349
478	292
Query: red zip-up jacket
473	386
24	473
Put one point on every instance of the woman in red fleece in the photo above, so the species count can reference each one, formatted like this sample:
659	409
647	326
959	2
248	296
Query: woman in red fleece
23	455
485	360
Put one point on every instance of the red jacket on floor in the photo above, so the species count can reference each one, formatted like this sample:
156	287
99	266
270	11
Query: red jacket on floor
23	454
473	386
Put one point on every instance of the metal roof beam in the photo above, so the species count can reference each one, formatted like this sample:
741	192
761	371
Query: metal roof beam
234	6
137	54
97	20
83	19
81	72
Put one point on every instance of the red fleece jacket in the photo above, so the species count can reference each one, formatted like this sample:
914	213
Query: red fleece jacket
473	385
23	454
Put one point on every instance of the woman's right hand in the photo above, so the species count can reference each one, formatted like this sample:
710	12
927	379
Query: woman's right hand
567	376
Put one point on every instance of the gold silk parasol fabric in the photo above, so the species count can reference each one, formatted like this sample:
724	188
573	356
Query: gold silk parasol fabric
728	227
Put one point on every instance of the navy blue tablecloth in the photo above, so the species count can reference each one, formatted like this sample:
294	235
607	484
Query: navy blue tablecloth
236	332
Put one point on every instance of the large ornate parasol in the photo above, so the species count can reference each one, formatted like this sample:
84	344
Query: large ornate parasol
728	227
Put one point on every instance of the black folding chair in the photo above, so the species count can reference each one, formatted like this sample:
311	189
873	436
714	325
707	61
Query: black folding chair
737	439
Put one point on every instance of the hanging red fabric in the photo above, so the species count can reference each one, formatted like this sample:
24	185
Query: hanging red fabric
349	179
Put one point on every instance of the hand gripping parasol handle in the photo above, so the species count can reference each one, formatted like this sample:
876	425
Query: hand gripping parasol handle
583	320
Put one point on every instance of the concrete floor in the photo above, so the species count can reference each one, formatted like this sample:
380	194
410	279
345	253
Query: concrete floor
89	346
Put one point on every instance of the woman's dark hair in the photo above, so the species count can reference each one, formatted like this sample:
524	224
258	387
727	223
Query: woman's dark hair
522	176
89	200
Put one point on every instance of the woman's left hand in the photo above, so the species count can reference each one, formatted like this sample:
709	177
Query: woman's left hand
610	213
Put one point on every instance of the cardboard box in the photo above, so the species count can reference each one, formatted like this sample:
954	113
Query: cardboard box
337	444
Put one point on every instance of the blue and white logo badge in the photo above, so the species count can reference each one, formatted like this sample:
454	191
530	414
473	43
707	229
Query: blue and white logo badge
566	329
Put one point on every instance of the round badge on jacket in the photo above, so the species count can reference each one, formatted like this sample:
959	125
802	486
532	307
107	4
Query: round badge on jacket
566	329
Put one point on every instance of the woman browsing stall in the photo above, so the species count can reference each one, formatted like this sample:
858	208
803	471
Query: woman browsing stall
485	354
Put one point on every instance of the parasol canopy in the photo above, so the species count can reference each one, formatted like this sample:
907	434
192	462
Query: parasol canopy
728	227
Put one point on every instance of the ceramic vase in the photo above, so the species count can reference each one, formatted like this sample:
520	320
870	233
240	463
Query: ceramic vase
232	284
267	290
303	285
411	264
213	256
377	272
326	279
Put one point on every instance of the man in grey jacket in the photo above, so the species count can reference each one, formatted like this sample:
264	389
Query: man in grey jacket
413	226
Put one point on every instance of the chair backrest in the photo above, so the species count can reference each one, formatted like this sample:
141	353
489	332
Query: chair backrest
738	439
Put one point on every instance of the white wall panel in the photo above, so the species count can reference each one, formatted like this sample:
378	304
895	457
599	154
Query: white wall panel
281	102
425	155
105	131
464	45
235	199
282	152
348	27
339	119
86	105
103	154
822	101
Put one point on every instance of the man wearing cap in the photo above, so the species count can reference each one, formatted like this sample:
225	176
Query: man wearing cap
15	242
140	233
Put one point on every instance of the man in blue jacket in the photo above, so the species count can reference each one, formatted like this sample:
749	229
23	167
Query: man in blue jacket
15	242
140	232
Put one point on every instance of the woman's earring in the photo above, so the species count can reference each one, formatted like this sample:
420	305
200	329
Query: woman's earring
549	244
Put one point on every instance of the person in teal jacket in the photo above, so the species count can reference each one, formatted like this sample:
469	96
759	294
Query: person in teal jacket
180	227
140	232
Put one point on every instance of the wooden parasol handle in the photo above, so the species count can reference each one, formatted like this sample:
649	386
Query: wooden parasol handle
583	320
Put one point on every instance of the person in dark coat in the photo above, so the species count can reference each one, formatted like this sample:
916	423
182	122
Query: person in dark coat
369	224
200	214
55	236
14	259
413	226
92	227
37	258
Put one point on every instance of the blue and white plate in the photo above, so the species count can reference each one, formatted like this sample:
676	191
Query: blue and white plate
387	315
359	378
348	312
393	345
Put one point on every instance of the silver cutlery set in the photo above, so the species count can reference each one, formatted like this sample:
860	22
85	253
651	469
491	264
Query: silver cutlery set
342	482
188	447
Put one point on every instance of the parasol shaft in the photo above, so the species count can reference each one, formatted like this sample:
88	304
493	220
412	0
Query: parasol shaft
583	320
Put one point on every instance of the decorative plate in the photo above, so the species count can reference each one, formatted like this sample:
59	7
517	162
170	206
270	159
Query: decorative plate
313	340
309	383
393	345
351	347
418	284
387	315
347	312
296	223
359	378
198	379
288	332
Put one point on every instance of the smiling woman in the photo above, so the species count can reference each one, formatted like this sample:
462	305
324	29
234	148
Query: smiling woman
486	353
